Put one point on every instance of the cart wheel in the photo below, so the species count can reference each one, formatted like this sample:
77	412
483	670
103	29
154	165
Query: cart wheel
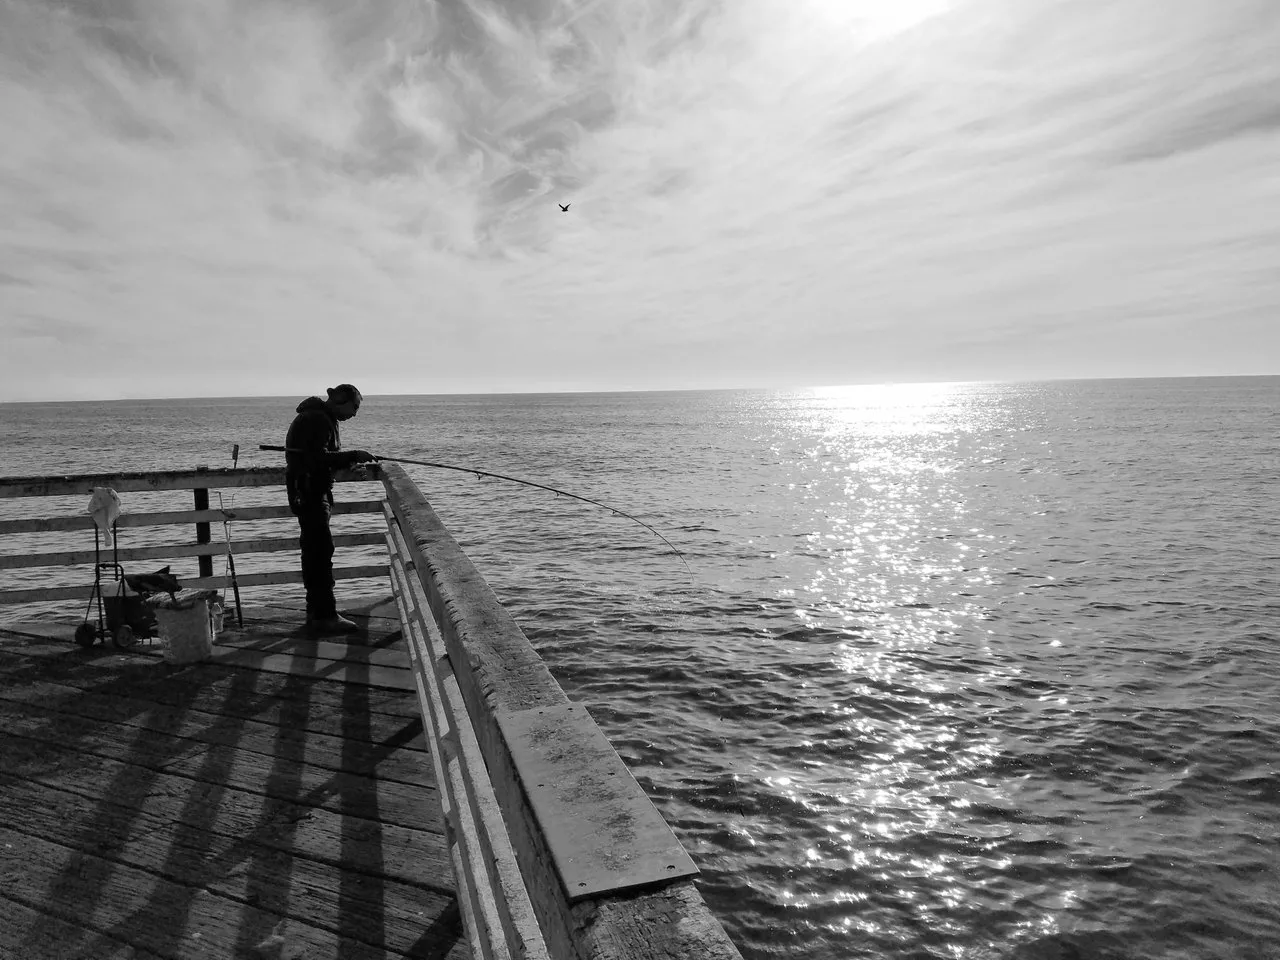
124	638
86	635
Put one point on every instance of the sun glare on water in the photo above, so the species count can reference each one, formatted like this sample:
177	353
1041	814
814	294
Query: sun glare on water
891	408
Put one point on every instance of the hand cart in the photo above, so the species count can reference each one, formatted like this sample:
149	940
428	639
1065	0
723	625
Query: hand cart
124	617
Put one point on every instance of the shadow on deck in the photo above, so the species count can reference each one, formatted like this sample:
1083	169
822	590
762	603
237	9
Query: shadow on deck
274	802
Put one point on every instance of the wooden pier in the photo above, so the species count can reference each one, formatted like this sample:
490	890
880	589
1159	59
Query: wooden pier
274	801
424	789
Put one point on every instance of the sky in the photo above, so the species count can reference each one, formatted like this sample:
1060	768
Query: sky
267	197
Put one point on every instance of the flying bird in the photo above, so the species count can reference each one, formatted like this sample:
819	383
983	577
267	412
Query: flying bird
564	207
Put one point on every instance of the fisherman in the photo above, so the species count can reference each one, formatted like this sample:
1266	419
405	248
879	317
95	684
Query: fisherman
313	452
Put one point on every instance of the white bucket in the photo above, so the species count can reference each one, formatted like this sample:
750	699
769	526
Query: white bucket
186	633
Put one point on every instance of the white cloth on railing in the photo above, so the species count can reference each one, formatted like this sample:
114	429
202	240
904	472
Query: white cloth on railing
104	507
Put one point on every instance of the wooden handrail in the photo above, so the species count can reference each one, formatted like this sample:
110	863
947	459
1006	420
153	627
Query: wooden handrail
168	517
556	779
165	551
82	485
497	912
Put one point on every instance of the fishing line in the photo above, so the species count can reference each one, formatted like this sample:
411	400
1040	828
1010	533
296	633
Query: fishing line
528	483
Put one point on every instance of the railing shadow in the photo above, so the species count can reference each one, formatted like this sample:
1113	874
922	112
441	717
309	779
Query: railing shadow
268	872
360	896
160	920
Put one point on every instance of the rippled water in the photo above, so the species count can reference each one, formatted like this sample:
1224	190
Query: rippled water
956	671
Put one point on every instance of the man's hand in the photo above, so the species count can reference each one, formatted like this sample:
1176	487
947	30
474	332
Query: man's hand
361	456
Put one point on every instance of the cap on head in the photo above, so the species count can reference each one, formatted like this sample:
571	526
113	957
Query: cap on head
344	392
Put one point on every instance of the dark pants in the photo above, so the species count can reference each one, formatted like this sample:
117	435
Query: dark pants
317	558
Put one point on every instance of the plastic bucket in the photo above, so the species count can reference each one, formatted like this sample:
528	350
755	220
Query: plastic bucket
186	632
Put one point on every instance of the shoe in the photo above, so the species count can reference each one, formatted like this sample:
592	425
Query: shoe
332	625
316	618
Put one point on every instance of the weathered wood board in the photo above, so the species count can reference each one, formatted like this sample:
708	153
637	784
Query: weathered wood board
156	812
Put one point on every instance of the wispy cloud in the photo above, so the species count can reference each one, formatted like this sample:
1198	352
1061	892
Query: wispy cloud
762	191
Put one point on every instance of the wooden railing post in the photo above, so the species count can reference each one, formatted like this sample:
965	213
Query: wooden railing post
202	529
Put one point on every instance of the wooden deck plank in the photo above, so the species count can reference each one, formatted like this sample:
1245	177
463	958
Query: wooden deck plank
203	686
388	668
339	671
260	624
188	811
416	852
265	866
396	752
35	935
388	653
114	901
378	618
383	651
38	736
302	663
325	787
167	732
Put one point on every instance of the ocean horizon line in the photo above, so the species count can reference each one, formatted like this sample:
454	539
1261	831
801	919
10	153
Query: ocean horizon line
744	388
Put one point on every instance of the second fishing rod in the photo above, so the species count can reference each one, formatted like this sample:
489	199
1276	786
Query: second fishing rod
501	476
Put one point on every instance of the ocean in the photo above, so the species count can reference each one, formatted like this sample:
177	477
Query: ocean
959	671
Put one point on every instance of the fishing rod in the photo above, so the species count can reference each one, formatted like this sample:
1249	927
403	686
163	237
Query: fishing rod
502	476
231	560
226	533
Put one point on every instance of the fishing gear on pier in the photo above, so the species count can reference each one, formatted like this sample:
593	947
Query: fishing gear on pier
228	516
501	476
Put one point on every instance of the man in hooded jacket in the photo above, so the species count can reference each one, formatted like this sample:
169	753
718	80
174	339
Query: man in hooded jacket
313	451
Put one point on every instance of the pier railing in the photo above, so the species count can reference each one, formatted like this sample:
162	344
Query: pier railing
603	874
199	519
557	852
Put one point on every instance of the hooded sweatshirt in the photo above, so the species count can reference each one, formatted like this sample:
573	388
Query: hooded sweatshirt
309	474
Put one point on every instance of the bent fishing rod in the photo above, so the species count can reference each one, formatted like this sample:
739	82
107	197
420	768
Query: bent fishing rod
502	476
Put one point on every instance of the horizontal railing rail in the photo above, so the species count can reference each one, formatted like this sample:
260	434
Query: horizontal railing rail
201	478
171	517
170	550
201	518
